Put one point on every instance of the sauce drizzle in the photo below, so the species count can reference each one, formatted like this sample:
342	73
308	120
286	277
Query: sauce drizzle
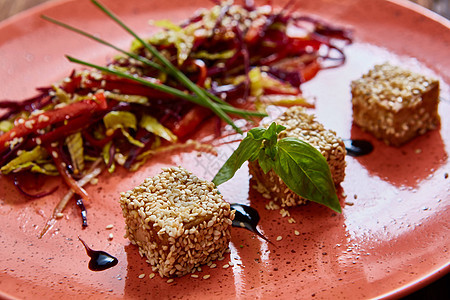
100	260
358	147
247	217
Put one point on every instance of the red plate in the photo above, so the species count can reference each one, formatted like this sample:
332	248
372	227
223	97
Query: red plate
391	239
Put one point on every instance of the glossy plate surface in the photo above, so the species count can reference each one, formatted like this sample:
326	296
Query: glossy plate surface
391	239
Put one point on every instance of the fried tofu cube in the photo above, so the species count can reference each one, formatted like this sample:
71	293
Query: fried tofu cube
177	220
395	104
299	124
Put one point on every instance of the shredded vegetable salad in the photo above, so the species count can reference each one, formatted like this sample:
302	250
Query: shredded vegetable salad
216	63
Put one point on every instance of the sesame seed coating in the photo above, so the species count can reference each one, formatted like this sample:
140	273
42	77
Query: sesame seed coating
178	221
299	124
395	104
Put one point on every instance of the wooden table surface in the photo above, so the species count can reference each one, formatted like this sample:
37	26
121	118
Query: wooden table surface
436	290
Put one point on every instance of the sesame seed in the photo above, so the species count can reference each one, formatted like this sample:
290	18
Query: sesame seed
59	215
111	236
141	276
194	275
110	226
206	276
279	238
151	275
170	280
226	266
296	232
43	118
109	132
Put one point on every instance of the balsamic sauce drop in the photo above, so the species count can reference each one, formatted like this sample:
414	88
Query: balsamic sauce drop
100	260
247	217
358	147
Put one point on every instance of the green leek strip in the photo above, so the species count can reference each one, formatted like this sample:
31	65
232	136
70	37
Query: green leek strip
122	120
167	89
183	79
107	158
6	125
25	158
152	125
74	144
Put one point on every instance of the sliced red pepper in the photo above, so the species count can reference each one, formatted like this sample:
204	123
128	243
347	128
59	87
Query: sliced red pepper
98	143
71	127
84	107
80	82
310	70
256	30
56	155
190	121
203	71
299	45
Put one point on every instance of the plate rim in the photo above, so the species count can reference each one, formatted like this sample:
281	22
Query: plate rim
402	291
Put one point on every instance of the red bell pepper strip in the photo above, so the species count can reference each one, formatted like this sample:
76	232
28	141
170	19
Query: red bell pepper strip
310	70
190	121
203	71
74	125
22	129
56	155
113	83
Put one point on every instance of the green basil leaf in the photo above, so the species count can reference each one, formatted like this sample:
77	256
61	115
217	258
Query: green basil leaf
248	150
265	162
306	172
256	133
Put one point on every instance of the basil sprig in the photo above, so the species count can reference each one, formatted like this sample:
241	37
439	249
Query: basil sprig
301	166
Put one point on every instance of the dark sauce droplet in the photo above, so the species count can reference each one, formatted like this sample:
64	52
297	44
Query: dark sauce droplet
358	147
100	260
247	217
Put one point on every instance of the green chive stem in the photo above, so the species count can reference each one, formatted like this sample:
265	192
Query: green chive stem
164	88
101	41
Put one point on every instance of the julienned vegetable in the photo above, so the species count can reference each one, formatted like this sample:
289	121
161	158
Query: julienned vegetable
301	166
221	61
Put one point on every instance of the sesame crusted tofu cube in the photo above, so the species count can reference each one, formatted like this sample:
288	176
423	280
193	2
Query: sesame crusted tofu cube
394	104
177	220
299	124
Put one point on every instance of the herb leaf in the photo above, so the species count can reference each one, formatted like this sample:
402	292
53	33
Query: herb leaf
301	166
248	150
306	172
